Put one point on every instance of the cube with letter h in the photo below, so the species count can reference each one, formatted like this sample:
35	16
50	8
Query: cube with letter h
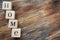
13	24
10	15
16	33
6	5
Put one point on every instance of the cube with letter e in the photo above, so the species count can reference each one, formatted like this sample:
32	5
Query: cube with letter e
16	33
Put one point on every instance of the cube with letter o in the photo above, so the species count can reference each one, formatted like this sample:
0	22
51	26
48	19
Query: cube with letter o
10	14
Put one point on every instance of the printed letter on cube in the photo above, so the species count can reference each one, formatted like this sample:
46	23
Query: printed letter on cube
16	32
6	5
13	24
10	15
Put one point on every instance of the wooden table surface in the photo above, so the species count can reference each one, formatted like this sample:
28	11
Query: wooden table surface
39	21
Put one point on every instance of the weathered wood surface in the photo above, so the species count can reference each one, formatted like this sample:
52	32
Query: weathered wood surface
38	22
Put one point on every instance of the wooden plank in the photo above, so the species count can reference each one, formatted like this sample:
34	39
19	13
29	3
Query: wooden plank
37	22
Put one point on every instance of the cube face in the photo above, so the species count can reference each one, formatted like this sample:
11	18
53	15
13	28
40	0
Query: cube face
13	24
16	33
6	5
10	15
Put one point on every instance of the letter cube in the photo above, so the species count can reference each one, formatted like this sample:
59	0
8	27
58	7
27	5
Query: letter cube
7	5
10	15
13	24
16	33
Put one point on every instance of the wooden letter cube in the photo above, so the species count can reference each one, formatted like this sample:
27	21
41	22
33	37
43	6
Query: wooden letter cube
6	5
13	24
10	15
16	33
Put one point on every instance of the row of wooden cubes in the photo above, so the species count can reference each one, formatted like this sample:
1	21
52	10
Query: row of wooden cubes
13	23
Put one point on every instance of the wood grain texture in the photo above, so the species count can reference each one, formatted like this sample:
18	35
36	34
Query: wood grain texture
39	21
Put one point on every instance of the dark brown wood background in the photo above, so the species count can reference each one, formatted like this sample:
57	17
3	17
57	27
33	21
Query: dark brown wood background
39	20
